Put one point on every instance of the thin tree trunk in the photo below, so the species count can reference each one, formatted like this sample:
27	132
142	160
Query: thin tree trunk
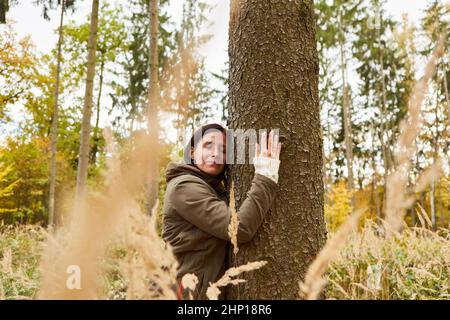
432	207
329	184
435	155
374	179
83	157
152	109
97	119
274	84
54	133
186	91
346	112
382	102
441	205
447	99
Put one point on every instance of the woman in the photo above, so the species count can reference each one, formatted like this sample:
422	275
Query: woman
196	212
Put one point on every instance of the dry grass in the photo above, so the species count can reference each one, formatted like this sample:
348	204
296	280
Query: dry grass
213	291
20	253
114	213
313	284
414	265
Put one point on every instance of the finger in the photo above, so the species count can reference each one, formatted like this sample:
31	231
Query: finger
275	145
279	150
269	144
256	149
263	144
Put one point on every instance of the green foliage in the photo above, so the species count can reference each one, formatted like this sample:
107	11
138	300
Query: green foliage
6	184
27	199
17	63
129	96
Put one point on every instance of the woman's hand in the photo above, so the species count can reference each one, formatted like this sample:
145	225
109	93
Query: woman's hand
267	155
271	149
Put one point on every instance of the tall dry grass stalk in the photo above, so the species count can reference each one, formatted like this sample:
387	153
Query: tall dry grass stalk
314	282
106	216
150	266
233	227
428	176
213	291
397	199
425	221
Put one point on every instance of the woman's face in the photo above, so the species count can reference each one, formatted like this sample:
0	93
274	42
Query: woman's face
210	153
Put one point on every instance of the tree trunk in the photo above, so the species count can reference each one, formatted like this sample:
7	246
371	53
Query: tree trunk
447	100
346	113
441	205
83	156
54	135
97	118
435	155
383	105
374	178
432	207
274	84
152	109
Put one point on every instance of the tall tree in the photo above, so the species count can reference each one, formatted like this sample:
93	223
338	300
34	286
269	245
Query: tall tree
384	87
346	101
152	108
131	97
185	86
337	21
274	84
436	23
83	155
4	7
54	130
111	40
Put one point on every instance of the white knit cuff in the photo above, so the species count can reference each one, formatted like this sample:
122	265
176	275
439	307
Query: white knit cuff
267	167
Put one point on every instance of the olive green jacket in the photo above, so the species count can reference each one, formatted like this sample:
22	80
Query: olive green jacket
196	219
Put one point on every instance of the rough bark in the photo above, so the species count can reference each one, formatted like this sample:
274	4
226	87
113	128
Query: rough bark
274	84
54	130
83	156
152	109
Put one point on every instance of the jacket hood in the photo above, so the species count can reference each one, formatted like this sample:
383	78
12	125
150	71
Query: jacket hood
174	170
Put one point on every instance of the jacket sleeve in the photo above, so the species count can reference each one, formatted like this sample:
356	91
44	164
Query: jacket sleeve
199	205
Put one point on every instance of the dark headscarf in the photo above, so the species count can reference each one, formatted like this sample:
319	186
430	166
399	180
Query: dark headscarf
173	170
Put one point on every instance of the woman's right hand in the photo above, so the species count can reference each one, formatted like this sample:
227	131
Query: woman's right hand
267	155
